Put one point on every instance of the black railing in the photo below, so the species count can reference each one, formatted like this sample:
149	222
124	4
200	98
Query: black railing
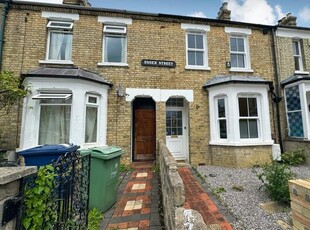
68	200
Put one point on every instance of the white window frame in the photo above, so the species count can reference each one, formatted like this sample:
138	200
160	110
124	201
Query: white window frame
245	53
218	119
232	92
257	118
57	29
93	105
299	56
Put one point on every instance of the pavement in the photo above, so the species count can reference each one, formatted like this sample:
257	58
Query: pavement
138	204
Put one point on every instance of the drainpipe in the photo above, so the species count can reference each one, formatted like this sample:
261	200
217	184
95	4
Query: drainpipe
276	95
4	12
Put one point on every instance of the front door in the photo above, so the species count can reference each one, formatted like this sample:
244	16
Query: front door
176	132
144	134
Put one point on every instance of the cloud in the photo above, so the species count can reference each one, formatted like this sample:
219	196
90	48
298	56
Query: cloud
304	14
279	12
254	11
198	14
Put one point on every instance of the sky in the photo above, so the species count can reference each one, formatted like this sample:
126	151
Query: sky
252	11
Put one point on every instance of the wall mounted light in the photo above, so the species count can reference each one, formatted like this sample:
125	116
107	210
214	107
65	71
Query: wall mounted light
228	64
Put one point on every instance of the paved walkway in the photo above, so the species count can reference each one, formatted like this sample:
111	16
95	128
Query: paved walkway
197	199
138	202
138	206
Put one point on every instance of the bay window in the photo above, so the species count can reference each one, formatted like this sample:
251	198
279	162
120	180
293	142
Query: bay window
248	117
91	119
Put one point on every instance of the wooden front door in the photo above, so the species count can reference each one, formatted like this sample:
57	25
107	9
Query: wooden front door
144	134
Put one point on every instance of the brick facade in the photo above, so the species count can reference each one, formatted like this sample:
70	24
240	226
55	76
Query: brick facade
148	37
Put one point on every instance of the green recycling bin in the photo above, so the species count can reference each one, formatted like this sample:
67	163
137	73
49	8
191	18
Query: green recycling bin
104	174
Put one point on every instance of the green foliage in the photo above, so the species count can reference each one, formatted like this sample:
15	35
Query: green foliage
275	178
294	157
217	191
125	168
39	202
10	89
94	218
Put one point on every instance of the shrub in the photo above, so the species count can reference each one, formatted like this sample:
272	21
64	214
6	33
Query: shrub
275	178
94	218
294	157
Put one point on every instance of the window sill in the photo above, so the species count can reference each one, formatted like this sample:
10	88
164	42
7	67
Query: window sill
112	64
197	68
56	62
271	142
301	72
241	70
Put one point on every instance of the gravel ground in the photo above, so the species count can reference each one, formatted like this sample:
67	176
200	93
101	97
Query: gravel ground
244	205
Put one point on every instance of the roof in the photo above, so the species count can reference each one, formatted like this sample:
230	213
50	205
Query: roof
294	78
73	73
218	80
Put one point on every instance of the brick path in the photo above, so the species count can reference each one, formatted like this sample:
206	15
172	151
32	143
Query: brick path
197	199
137	205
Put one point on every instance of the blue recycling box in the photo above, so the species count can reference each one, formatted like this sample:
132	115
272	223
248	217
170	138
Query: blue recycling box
45	154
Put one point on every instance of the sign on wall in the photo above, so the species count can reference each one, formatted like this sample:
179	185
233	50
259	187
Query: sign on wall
158	63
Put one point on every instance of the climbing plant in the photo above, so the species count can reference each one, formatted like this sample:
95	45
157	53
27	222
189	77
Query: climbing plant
11	91
39	211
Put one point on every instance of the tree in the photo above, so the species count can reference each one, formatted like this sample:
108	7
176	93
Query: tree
11	91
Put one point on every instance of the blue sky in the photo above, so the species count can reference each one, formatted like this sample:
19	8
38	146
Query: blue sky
253	11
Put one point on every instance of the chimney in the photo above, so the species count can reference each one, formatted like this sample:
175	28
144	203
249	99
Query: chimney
288	20
76	2
224	12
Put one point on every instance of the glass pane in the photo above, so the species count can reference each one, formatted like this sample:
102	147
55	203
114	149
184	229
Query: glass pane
244	132
233	60
180	131
168	132
240	60
191	58
295	48
223	129
292	98
175	102
199	58
91	124
296	61
54	124
252	107
243	107
253	128
240	44
295	124
199	41
60	47
174	131
115	49
92	100
191	40
233	44
221	107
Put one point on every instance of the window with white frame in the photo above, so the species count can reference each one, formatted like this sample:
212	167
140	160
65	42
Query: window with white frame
55	118
221	117
297	55
237	117
91	118
59	45
196	49
248	117
114	44
238	52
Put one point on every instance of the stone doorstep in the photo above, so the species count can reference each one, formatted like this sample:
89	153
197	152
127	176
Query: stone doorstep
274	207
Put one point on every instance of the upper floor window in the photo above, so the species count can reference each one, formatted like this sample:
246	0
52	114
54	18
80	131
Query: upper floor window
196	49
239	49
59	45
297	55
114	44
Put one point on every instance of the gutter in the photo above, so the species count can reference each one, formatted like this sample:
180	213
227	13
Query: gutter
276	95
4	12
238	82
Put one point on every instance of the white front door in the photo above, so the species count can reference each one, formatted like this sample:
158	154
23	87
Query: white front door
176	132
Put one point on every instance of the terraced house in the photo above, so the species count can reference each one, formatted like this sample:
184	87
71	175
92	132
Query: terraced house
112	77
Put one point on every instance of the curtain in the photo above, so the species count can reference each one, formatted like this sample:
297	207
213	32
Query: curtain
54	124
91	124
60	46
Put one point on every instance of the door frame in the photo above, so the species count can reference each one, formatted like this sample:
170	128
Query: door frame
185	122
150	102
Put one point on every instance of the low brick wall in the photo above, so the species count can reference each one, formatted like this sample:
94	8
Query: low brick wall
300	203
239	156
9	188
173	194
293	145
